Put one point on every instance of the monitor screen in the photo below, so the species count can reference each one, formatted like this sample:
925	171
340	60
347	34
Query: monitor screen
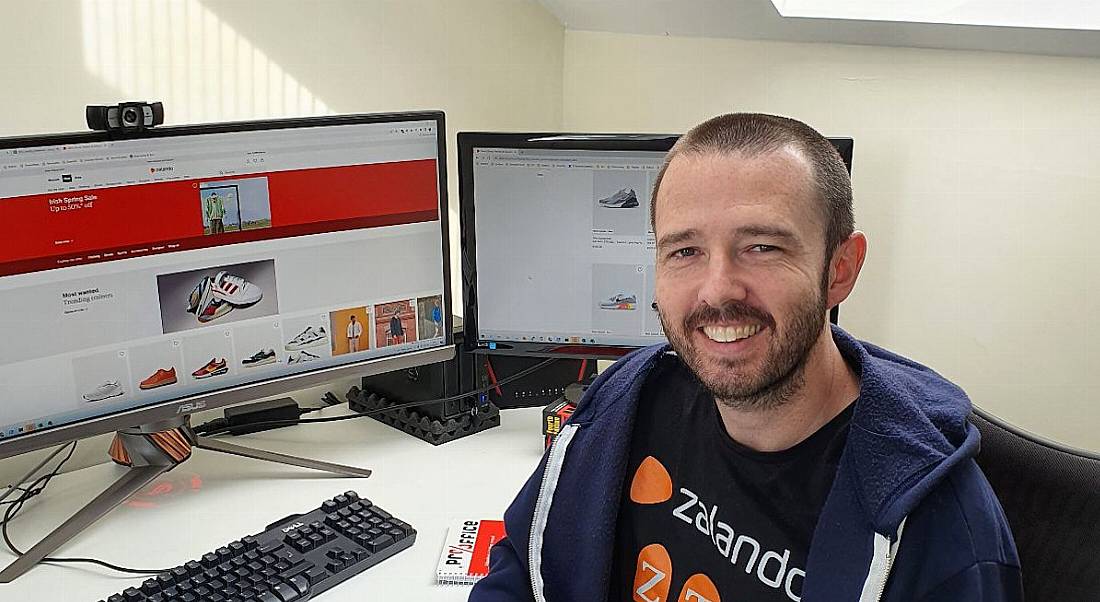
200	259
558	250
558	247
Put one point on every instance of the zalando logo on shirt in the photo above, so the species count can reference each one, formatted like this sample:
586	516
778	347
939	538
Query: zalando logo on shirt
652	485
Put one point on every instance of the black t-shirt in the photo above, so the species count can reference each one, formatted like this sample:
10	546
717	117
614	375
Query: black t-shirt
703	518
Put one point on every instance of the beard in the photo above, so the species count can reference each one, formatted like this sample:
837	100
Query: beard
738	384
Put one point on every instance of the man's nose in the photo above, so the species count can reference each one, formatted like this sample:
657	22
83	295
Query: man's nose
724	281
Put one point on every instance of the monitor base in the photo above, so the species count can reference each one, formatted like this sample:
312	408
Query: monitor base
150	451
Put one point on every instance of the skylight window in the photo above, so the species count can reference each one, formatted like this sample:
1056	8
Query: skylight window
1040	14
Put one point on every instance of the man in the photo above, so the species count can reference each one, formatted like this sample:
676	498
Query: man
215	213
397	330
763	455
355	330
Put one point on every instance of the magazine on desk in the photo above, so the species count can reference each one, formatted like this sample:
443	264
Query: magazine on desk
465	557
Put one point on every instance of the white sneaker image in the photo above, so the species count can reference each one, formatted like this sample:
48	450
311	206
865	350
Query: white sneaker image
625	198
302	357
310	337
620	301
107	390
204	304
234	289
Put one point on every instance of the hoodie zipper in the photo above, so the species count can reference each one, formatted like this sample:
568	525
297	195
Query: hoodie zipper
549	483
885	553
886	572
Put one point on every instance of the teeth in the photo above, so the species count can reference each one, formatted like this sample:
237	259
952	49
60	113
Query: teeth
729	334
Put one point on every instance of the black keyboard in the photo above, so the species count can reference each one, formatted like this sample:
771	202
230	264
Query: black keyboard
295	558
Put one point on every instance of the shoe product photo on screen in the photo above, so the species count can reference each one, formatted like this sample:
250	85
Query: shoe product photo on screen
159	378
310	337
212	368
109	389
260	358
214	297
620	301
302	357
625	198
235	290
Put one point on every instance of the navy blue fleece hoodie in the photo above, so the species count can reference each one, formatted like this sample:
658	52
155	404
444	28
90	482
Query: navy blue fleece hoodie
910	517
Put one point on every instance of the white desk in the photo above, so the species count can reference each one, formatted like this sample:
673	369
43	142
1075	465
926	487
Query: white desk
215	498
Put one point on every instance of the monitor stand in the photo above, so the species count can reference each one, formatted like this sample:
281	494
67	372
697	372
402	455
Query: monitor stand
149	451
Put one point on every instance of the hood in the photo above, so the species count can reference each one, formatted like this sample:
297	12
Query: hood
909	429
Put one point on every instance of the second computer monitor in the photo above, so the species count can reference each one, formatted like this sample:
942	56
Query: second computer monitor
558	250
557	247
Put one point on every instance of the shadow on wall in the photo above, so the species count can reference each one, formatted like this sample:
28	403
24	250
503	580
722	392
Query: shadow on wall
64	54
183	54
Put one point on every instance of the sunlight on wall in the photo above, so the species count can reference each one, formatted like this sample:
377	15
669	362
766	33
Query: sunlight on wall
179	52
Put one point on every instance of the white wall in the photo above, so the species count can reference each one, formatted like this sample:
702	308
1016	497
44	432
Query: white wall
975	179
489	64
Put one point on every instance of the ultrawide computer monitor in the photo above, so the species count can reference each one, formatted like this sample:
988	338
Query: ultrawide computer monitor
145	278
557	250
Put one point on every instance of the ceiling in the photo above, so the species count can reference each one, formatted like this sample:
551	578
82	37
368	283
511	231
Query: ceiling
759	20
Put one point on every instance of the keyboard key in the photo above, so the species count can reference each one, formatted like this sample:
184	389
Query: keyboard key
379	543
286	592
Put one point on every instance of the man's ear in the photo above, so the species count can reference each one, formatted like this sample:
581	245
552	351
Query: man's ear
844	268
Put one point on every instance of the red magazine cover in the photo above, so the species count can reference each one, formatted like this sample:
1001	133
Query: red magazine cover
465	557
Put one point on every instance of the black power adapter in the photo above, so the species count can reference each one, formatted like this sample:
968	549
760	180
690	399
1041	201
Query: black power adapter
244	419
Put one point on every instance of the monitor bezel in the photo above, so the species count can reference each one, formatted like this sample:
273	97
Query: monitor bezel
184	406
467	142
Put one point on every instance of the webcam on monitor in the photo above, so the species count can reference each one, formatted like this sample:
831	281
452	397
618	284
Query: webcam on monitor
125	116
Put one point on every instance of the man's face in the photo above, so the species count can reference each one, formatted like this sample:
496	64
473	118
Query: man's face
740	259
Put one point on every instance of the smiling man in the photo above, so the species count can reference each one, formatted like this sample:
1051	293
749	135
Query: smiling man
763	455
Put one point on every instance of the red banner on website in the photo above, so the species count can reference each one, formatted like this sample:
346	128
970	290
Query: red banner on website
74	228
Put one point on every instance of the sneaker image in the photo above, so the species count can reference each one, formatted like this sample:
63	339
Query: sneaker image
212	368
302	357
620	301
310	337
107	390
159	378
261	357
625	198
234	289
204	304
195	297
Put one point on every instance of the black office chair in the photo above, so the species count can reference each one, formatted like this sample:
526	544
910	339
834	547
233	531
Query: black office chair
1051	496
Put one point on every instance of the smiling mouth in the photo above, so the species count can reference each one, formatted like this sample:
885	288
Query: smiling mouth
730	334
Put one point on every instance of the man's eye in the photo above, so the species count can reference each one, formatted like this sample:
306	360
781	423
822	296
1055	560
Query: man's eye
686	252
763	248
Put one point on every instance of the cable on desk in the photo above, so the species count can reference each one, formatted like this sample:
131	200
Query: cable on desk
398	406
36	488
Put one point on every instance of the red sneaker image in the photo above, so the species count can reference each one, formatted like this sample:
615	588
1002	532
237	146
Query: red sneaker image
212	368
160	378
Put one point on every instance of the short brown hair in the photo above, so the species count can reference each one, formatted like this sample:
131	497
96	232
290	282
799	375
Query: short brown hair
755	134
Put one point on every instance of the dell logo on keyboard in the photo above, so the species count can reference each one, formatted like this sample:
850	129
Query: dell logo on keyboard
294	526
187	408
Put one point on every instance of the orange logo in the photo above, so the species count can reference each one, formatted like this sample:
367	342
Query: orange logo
653	576
699	588
651	484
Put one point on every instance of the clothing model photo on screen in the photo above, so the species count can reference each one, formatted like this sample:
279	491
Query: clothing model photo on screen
762	454
348	324
235	205
395	323
429	311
